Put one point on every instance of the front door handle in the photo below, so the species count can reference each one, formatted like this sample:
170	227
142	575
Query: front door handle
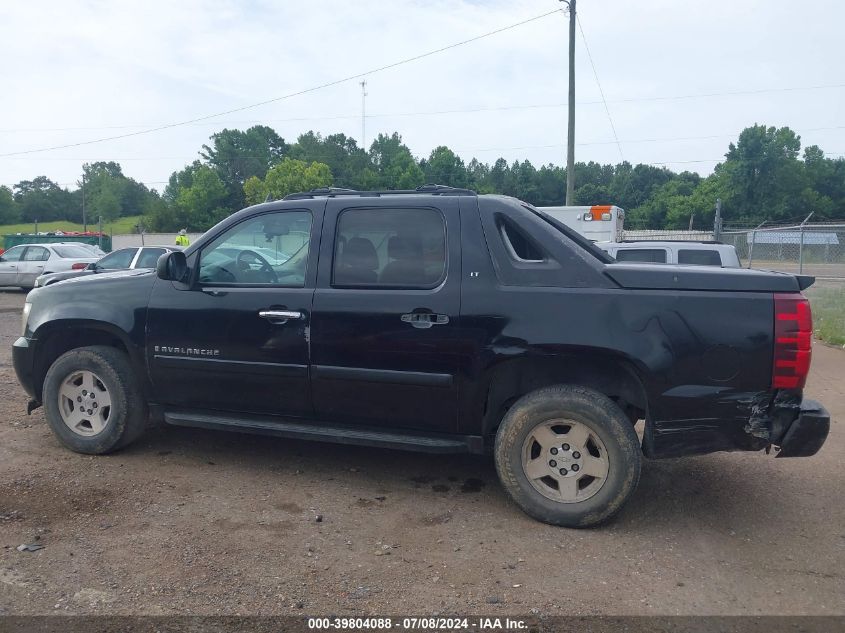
280	316
424	320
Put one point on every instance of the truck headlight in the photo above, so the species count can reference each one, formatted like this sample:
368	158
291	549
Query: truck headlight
27	307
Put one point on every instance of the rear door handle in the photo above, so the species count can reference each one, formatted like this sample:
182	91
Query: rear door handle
280	316
424	320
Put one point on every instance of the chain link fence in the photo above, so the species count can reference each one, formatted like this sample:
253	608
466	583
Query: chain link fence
812	249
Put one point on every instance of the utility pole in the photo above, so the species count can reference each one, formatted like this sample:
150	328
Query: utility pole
364	114
570	138
717	222
84	218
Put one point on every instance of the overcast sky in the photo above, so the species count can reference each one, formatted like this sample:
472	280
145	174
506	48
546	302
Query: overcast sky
671	72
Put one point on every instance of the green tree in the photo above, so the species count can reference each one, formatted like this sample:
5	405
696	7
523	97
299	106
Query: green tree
762	174
670	200
289	176
444	167
9	211
350	165
43	200
237	156
109	193
395	165
203	204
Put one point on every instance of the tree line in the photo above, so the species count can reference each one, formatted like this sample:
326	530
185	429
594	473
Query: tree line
765	177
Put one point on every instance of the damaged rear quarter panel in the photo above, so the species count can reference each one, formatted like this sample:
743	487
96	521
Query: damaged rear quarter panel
703	357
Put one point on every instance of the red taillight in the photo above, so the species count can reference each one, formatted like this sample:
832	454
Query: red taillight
793	335
79	266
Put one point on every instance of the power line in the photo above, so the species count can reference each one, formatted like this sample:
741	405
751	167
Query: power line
475	149
292	94
601	91
473	110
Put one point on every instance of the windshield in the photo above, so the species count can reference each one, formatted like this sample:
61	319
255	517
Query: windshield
576	237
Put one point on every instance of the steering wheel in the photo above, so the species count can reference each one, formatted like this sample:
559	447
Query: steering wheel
244	266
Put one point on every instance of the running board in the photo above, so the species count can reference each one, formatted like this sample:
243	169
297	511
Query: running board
326	433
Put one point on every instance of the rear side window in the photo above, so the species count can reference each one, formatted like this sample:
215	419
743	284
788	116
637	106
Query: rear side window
395	248
699	257
518	244
118	260
149	257
72	251
650	255
36	254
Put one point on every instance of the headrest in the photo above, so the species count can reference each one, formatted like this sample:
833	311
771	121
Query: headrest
360	253
404	248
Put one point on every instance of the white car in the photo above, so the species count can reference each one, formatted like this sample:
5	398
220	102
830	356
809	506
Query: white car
99	252
121	259
21	265
680	252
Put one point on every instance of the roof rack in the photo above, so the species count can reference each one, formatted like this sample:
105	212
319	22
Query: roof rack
334	192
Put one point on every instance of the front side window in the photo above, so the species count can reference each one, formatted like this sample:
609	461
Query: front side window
271	249
650	255
13	254
395	248
149	257
699	257
36	254
117	260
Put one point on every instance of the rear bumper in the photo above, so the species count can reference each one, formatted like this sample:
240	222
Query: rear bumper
747	421
807	433
22	359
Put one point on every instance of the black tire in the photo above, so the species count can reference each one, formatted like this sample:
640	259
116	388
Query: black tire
604	419
127	418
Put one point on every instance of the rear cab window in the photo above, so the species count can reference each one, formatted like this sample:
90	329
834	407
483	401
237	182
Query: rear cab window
699	257
650	255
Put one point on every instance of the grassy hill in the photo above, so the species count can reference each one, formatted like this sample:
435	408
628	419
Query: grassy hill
118	227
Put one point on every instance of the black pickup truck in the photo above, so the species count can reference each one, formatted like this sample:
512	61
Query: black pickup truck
435	320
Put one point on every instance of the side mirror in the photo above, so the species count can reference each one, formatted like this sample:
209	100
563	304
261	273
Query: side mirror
172	266
91	266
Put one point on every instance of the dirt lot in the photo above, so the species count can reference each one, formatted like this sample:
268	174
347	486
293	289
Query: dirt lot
199	522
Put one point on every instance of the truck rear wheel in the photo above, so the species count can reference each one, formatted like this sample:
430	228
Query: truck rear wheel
568	456
92	401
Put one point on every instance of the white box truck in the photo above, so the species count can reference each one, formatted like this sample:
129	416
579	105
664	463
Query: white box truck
599	223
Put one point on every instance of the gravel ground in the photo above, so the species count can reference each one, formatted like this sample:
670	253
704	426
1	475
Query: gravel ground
198	522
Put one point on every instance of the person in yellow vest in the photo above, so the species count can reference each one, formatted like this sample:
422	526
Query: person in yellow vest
182	239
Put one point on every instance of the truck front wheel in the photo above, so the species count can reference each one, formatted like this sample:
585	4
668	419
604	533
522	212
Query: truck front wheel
567	455
92	401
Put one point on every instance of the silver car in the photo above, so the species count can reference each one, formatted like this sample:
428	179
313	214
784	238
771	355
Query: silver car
134	257
21	265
